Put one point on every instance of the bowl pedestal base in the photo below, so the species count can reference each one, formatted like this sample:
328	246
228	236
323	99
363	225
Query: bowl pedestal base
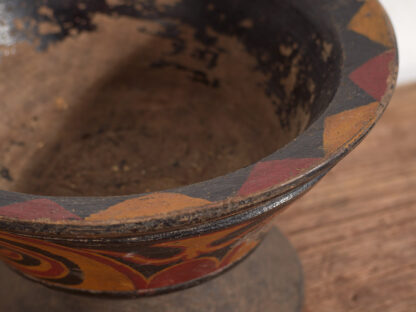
270	279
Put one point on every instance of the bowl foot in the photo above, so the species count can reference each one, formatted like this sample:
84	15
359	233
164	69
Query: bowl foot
270	279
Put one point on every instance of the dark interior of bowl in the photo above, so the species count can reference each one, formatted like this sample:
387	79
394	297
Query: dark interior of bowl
119	97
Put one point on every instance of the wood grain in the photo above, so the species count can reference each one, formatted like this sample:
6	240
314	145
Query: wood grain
356	230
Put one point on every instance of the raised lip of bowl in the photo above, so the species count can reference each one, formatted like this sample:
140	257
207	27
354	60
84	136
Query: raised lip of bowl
192	216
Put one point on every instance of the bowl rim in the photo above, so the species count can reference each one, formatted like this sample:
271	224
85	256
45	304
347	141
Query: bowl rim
366	85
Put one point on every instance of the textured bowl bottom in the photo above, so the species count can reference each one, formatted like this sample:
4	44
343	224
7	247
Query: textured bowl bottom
142	102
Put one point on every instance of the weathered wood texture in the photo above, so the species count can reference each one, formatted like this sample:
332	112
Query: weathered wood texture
356	230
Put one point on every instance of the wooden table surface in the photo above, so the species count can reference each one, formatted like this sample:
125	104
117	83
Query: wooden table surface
356	230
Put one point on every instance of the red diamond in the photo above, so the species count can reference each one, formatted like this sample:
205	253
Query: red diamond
269	173
37	209
372	76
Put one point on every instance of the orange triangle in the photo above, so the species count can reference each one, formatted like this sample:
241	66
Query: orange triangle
341	128
148	205
371	22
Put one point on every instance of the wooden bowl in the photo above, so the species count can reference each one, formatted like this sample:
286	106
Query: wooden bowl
211	116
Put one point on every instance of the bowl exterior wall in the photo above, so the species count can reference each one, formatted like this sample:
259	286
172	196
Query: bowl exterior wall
129	268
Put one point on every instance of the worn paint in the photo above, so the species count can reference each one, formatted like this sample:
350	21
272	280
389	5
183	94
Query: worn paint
370	22
103	245
148	205
345	126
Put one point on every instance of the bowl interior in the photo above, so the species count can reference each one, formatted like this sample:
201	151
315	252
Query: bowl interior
123	97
